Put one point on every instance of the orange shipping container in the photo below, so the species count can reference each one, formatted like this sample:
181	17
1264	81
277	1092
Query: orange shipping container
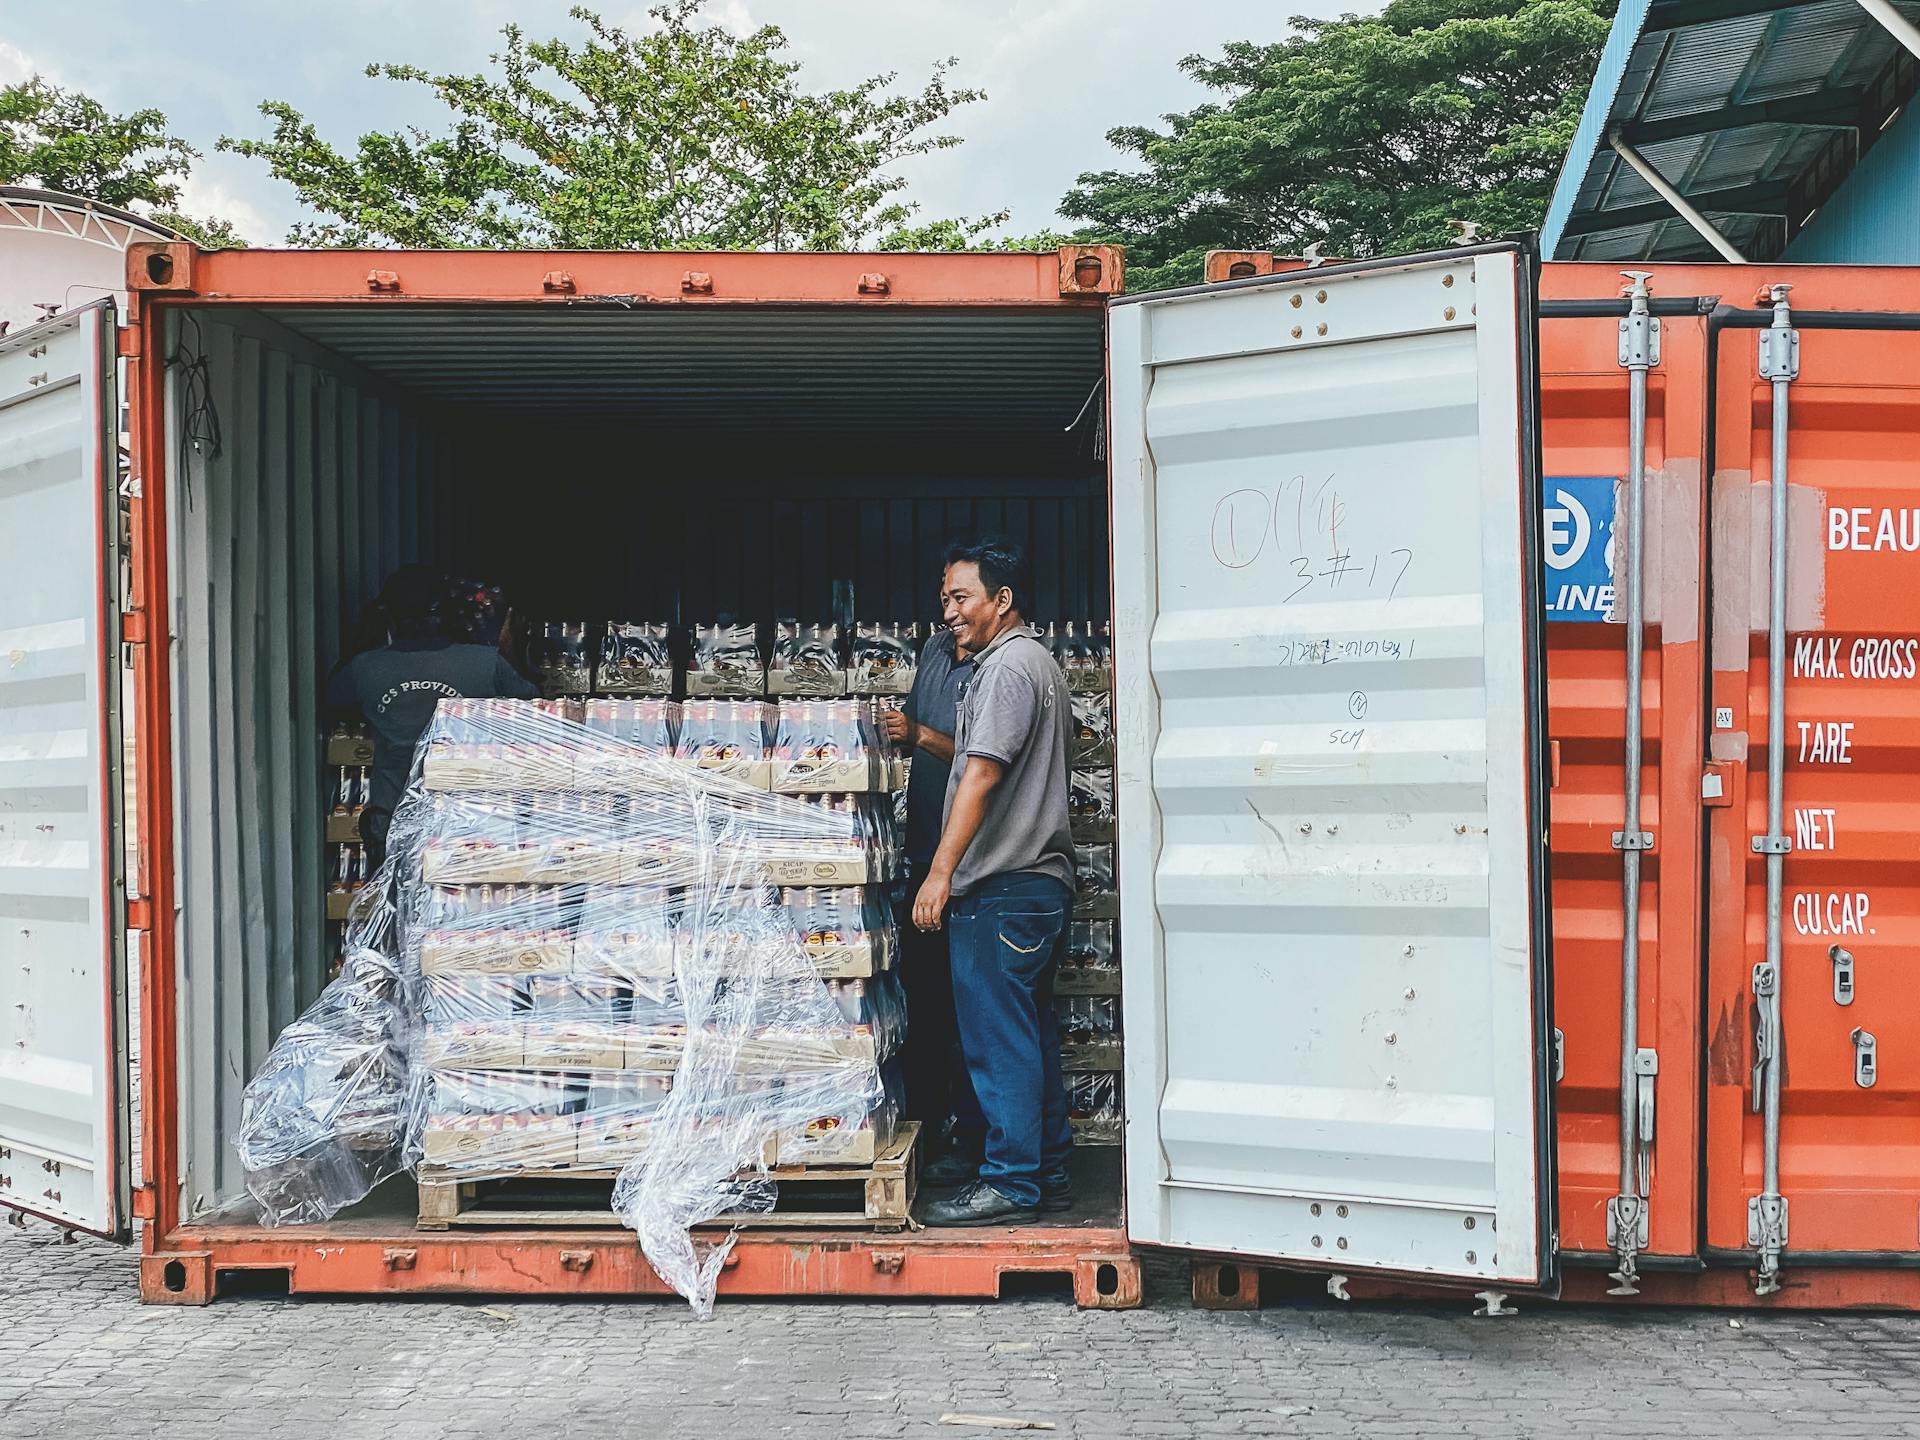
400	402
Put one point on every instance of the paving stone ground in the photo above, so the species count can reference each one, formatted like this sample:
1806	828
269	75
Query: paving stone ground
79	1357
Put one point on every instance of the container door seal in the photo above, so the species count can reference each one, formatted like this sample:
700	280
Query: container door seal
64	1121
1330	709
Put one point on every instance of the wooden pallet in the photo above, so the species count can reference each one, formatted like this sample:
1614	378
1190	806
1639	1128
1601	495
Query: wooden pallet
876	1197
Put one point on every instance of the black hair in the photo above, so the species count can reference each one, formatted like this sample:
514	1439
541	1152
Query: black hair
414	599
1002	563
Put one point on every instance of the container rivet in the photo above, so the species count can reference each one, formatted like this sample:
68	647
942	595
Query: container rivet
1470	1259
1409	992
1296	332
1314	1208
1317	1242
1408	951
1295	300
1321	297
1468	1222
1447	280
1449	313
1392	1038
1341	1211
1321	328
1341	1242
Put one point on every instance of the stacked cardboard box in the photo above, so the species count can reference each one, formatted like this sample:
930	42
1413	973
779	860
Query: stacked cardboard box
1088	986
568	877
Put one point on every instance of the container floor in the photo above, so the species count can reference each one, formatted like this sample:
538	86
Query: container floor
1095	1170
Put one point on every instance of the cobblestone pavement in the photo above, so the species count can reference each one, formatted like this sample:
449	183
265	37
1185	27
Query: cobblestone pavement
80	1358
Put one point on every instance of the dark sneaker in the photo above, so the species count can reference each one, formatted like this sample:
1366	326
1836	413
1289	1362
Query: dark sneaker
979	1204
951	1169
1055	1198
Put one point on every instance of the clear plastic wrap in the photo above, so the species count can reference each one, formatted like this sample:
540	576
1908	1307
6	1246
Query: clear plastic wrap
1086	1018
806	660
563	658
325	1118
1090	806
1093	1105
725	661
828	746
1084	653
1090	949
884	656
1093	869
593	971
1092	745
636	658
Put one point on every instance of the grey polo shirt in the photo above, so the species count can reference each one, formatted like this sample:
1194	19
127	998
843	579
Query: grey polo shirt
1015	710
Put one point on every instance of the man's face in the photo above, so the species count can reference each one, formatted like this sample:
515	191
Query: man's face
972	612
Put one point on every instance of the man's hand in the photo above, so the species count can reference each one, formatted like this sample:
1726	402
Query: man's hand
931	903
900	730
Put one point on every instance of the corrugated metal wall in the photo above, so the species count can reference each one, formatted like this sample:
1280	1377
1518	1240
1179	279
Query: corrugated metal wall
1874	218
605	535
323	481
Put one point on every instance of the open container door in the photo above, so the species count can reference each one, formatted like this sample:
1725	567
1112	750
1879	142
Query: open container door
64	1143
1332	820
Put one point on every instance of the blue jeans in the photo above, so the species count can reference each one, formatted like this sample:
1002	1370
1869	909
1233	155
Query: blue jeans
1005	940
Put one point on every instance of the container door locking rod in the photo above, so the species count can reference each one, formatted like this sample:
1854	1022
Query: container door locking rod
1767	1211
1627	1210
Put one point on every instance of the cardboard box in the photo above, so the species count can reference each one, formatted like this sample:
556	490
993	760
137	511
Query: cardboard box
730	685
574	1045
480	952
608	1142
476	862
479	1045
349	750
455	768
796	866
1096	1055
577	862
855	958
494	1143
1103	905
343	829
1086	980
656	1049
806	684
830	777
622	956
823	1143
754	774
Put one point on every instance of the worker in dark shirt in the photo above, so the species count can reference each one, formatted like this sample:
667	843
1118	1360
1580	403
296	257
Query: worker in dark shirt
939	1094
396	686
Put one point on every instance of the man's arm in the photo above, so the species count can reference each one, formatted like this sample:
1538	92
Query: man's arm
904	730
963	823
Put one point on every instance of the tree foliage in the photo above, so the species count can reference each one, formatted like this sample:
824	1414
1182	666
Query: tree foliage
62	140
682	136
1365	134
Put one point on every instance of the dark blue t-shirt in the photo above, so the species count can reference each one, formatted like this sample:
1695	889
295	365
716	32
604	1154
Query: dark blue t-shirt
396	688
933	702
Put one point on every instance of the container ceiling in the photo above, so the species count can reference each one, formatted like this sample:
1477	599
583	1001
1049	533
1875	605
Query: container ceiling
1755	110
961	375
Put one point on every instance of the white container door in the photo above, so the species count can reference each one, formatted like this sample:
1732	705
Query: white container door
1331	820
63	1102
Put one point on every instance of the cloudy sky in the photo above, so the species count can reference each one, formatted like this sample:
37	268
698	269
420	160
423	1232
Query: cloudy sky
1058	74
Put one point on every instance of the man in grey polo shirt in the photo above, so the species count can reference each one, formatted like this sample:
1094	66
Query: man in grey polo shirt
1002	880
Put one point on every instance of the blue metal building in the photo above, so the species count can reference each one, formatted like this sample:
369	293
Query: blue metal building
1747	130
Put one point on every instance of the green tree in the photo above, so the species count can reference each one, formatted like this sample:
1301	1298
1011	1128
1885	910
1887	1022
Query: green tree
62	140
1365	134
684	136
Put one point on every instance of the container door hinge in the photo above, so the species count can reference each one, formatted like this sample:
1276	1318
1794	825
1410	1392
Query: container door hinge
1842	959
133	627
1640	328
1764	1040
1866	1063
1716	785
126	342
143	1202
1767	1233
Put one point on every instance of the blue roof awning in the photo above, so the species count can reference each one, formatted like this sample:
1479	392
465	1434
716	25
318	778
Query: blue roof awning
1753	110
